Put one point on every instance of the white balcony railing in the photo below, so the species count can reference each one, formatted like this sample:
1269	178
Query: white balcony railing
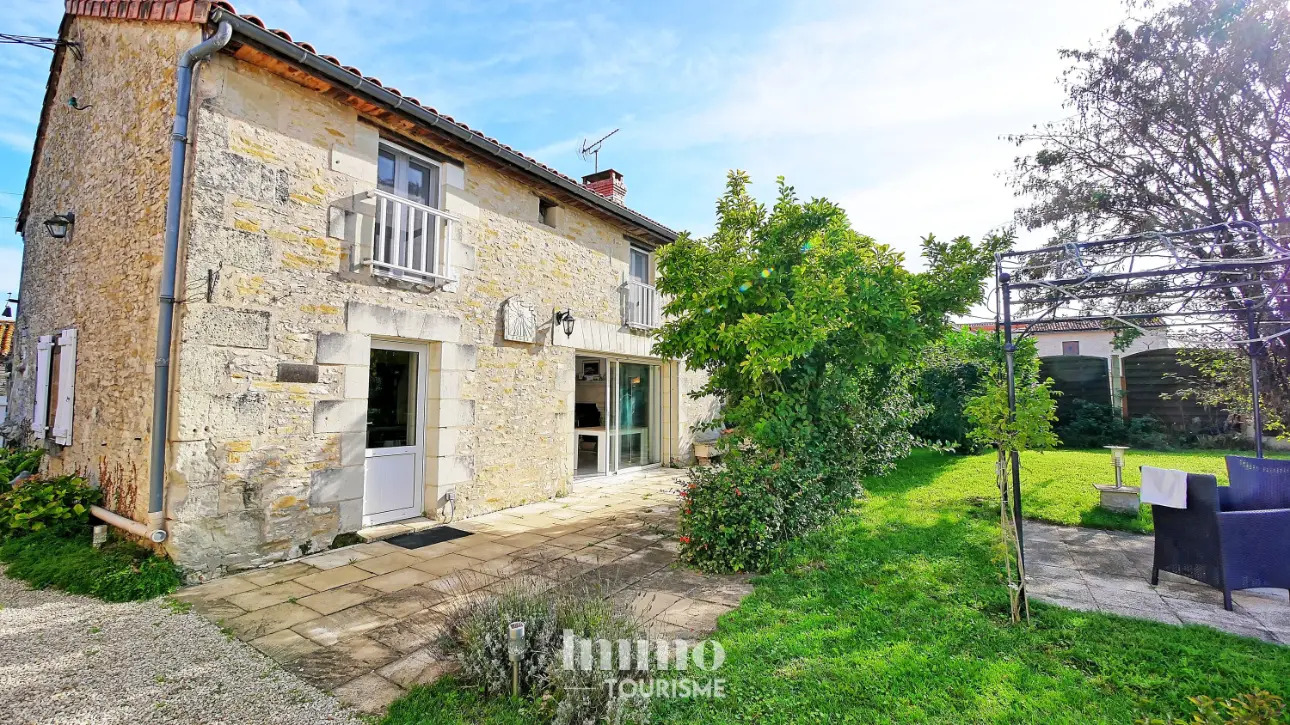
410	240
641	309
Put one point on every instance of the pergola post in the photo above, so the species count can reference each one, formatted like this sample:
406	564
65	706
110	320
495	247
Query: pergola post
1255	350
1009	353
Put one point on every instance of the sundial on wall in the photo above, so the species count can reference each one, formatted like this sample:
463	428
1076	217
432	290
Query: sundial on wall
519	321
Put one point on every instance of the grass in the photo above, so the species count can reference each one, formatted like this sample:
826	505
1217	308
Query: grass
895	613
1057	486
452	702
120	571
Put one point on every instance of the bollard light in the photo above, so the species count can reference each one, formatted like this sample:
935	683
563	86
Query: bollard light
1117	458
515	646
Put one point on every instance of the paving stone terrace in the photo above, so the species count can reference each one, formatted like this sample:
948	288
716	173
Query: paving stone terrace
364	621
1110	571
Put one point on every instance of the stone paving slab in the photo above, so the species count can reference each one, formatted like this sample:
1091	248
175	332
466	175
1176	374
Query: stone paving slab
1110	571
365	621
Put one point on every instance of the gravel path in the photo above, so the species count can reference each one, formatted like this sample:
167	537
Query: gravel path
70	659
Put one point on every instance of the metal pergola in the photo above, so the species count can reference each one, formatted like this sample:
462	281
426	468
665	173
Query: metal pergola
1225	278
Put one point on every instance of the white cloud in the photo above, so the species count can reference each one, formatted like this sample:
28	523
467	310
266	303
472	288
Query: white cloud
893	109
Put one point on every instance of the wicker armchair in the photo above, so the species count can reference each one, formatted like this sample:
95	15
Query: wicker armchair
1230	537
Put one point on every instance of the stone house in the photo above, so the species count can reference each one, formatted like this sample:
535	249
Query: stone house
379	312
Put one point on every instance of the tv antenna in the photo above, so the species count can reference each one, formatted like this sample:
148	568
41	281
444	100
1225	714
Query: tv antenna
591	151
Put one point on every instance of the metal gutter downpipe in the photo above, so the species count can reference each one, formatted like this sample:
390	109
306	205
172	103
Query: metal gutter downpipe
166	318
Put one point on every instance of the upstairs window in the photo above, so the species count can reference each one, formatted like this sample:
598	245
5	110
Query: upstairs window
546	212
1070	348
640	266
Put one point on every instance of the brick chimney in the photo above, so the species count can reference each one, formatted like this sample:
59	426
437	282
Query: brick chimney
607	183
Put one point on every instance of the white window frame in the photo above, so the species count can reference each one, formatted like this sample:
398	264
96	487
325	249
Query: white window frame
439	170
649	264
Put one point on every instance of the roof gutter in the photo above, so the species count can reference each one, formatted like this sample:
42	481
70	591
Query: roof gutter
327	70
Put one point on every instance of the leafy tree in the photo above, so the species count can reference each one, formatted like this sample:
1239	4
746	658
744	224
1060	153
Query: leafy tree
1030	428
1180	120
805	329
1221	379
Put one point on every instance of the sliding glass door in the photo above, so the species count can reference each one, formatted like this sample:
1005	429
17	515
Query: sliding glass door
633	404
635	415
617	415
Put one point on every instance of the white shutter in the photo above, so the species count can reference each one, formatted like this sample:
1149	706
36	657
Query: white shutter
41	414
66	388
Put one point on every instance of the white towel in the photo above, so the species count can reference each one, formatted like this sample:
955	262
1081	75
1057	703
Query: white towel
1164	487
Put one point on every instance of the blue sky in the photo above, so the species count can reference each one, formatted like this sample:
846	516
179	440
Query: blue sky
893	109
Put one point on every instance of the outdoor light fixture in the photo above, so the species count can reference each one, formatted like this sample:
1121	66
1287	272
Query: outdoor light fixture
1122	498
59	224
8	306
566	320
515	646
1117	457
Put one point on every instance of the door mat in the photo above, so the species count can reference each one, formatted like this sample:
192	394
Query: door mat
418	539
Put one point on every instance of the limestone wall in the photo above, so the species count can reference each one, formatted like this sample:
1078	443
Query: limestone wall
272	368
107	164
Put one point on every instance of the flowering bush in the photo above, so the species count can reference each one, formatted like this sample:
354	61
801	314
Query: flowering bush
478	631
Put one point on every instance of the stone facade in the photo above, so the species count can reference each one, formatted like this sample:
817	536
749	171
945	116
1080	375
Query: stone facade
108	164
278	316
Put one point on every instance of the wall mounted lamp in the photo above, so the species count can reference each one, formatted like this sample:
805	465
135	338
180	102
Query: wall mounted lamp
59	224
566	319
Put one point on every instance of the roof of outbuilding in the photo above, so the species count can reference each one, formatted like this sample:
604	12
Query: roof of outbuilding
200	10
6	338
1069	325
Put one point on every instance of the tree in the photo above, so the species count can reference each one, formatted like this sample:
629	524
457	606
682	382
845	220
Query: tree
1180	120
1029	428
806	330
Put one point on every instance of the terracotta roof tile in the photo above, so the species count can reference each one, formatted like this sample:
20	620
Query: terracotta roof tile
199	11
6	338
1067	325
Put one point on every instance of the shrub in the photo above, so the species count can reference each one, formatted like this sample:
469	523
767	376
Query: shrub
952	371
14	461
37	503
1257	708
63	558
478	631
807	331
1093	425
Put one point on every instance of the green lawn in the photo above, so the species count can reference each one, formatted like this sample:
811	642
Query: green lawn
895	613
1057	486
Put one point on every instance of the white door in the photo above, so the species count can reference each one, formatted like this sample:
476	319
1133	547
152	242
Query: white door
395	464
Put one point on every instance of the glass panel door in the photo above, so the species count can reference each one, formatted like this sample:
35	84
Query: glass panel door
395	455
391	399
637	417
639	268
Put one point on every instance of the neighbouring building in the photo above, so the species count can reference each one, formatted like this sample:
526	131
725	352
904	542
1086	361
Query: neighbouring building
1088	338
6	351
380	312
1082	359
